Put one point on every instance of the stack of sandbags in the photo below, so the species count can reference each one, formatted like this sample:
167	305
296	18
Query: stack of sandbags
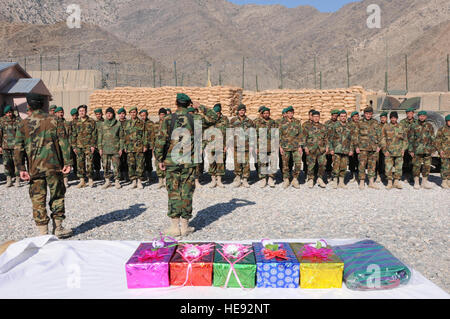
304	100
153	99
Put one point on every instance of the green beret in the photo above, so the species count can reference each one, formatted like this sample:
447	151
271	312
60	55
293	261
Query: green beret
284	111
447	118
190	109
342	112
217	108
410	109
422	113
290	109
73	111
384	114
99	110
7	109
134	108
121	110
52	107
59	109
265	109
143	111
181	97
261	109
354	113
335	111
241	107
35	100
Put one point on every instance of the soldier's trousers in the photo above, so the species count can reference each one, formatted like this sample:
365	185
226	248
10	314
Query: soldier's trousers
159	172
109	160
353	164
74	160
368	159
340	163
38	195
8	161
180	185
85	163
147	163
421	161
296	159
216	169
269	168
123	167
393	166
445	168
96	161
330	159
136	162
311	160
242	169
382	164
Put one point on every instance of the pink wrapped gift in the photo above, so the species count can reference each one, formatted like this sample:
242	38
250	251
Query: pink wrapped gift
149	265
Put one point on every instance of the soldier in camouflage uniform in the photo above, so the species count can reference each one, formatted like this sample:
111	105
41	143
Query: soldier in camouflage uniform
315	145
341	143
59	114
307	126
51	110
241	125
217	160
180	168
381	160
49	158
353	160
96	159
162	113
407	123
329	125
394	143
199	167
84	141
290	135
110	146
8	128
69	127
148	154
367	147
123	167
266	170
135	146
442	144
421	146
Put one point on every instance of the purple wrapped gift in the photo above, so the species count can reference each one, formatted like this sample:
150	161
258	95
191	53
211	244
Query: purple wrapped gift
149	266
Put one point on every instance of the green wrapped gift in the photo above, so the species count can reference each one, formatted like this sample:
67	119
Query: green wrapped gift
234	266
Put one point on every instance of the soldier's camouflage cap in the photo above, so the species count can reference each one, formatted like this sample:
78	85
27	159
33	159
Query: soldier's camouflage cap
134	108
73	111
7	109
59	109
241	107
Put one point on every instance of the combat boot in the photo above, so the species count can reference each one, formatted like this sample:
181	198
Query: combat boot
285	183
66	182
389	184
426	184
139	184
42	230
263	182
398	184
271	182
295	183
91	182
219	182
334	183
8	181
237	181
213	182
133	184
416	183
321	183
372	184
59	231
107	184
197	183
310	183
361	184
174	229
185	229
445	184
82	183
117	184
160	183
341	183
245	183
17	182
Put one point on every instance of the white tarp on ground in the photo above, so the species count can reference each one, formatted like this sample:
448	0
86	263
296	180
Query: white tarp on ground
44	267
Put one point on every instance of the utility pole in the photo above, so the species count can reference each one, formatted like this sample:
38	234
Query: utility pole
406	71
257	87
281	74
79	60
315	73
243	72
348	70
386	73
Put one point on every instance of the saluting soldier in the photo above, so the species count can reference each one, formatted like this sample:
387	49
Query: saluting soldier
47	164
421	146
443	147
266	167
290	148
8	128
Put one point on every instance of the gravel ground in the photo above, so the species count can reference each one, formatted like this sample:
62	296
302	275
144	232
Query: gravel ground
412	224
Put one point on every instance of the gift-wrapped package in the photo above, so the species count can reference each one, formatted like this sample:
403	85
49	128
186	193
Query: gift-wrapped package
234	266
148	267
320	267
369	265
192	264
276	266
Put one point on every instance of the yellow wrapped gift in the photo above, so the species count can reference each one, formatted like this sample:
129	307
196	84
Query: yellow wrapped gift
320	267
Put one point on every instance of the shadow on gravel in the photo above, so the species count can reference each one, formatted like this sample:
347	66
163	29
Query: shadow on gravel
209	215
117	215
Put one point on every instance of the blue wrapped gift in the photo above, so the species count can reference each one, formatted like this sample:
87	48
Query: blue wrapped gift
276	268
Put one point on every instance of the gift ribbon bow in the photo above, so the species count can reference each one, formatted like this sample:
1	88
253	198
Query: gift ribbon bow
243	252
319	253
155	252
270	254
186	254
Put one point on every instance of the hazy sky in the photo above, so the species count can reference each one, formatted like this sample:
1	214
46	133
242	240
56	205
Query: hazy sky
322	5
